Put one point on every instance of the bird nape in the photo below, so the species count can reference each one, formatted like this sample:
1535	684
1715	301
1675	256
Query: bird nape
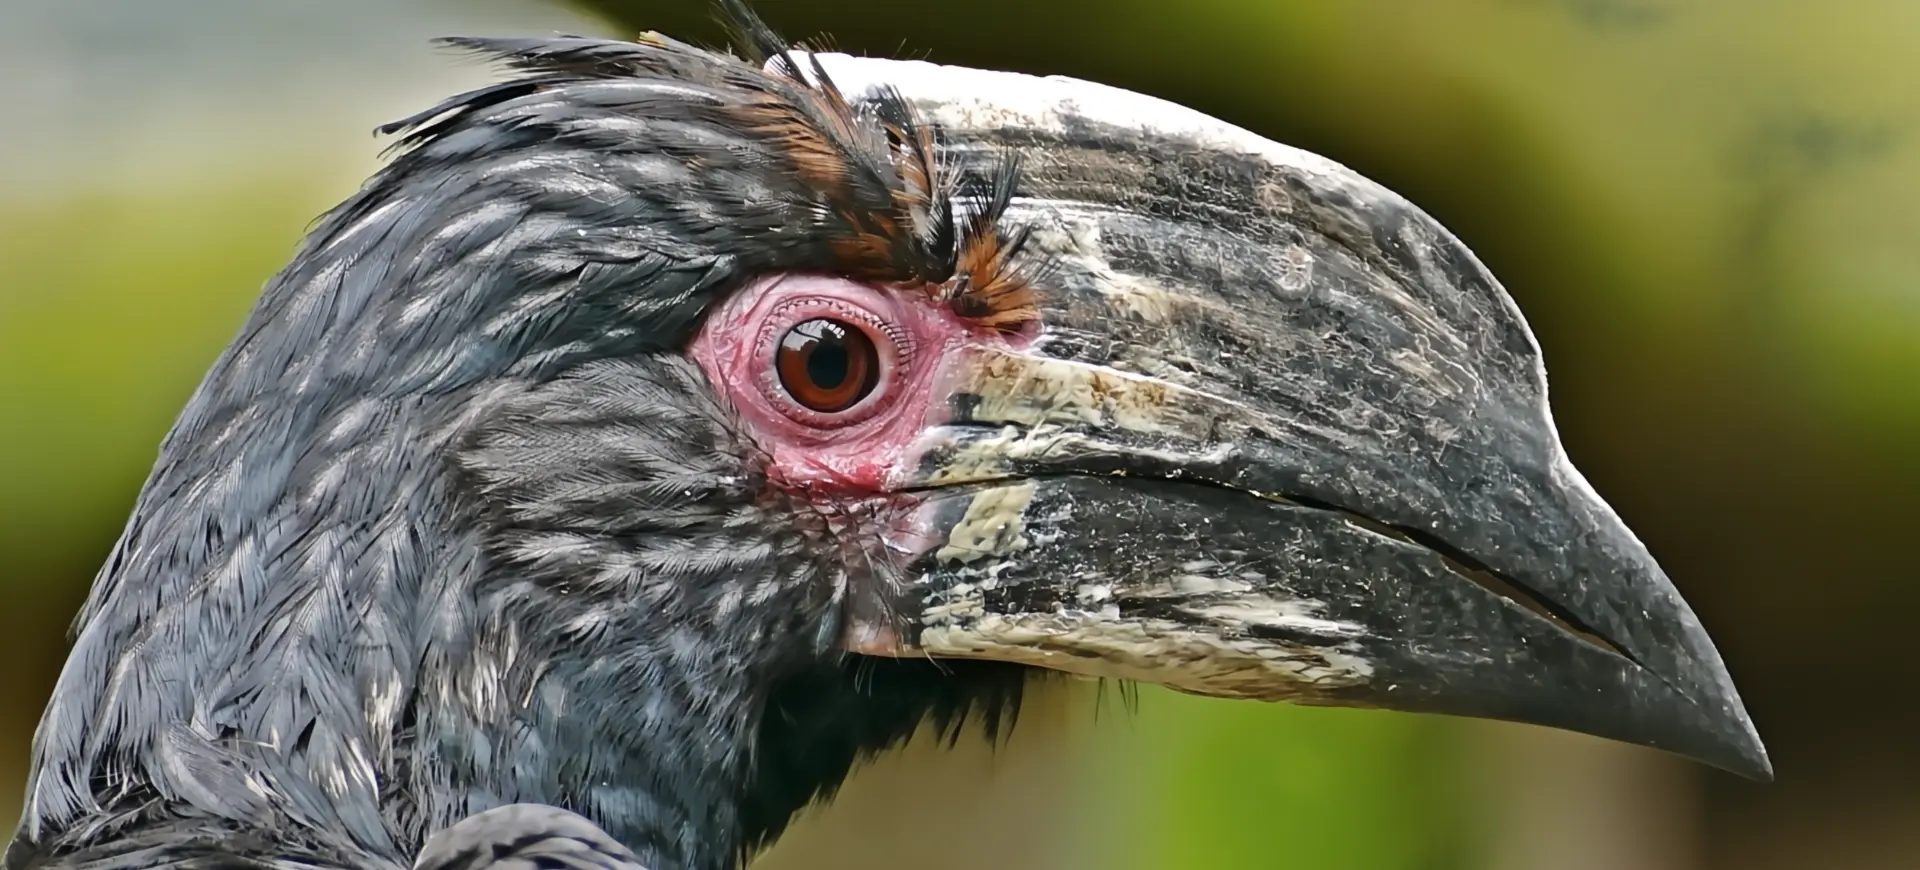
663	431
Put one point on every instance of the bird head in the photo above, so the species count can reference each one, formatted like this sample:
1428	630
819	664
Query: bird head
661	431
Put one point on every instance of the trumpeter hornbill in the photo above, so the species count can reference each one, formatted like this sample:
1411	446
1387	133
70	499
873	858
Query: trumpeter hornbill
661	432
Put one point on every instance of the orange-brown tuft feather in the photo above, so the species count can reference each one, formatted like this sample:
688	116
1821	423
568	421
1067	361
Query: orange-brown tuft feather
879	178
989	288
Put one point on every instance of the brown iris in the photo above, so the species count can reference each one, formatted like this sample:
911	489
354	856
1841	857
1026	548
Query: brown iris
827	365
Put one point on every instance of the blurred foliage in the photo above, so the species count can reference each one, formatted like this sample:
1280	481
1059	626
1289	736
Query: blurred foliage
120	301
1230	784
114	303
1709	210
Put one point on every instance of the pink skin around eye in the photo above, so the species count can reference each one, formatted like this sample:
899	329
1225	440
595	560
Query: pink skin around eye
859	450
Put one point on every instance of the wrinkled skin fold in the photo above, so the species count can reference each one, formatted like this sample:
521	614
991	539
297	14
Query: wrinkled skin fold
1282	437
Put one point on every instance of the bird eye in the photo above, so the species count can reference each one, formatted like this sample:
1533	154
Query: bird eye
827	365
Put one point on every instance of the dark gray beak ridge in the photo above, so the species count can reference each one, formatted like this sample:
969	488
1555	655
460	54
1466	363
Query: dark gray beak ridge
1281	436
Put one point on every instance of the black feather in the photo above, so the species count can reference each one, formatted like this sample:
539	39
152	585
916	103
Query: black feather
451	524
754	39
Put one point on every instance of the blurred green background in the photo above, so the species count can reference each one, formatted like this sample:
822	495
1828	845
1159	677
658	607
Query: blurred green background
1708	209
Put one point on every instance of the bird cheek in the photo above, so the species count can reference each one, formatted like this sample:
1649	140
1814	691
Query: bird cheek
856	465
863	456
890	451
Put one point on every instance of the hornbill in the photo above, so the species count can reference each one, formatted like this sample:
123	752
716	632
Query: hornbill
661	432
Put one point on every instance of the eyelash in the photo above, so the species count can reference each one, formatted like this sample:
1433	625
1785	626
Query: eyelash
777	323
783	318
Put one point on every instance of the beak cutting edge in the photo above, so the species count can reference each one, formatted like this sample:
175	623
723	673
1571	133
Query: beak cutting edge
1282	437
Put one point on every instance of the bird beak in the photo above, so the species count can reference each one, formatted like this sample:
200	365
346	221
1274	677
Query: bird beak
1280	436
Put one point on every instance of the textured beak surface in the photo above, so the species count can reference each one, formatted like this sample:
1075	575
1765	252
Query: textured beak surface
1283	437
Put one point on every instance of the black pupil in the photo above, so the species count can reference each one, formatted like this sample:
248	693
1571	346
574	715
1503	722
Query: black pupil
827	362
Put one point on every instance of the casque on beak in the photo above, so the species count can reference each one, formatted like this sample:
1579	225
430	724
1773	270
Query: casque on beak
1281	436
